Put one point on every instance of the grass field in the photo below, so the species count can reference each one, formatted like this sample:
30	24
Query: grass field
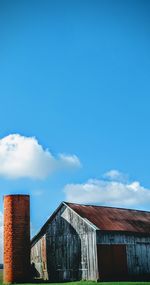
91	283
84	282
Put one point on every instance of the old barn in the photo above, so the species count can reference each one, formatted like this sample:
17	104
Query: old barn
93	243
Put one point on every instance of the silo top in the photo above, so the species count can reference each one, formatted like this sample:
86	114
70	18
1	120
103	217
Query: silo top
16	195
13	197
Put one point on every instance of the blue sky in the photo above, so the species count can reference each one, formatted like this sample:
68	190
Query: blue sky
75	76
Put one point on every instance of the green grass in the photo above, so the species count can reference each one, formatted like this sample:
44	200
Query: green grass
83	282
1	276
90	283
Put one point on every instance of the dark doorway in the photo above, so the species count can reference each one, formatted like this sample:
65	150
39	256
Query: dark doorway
112	262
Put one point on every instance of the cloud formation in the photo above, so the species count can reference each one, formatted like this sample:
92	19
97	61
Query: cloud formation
115	175
22	156
109	192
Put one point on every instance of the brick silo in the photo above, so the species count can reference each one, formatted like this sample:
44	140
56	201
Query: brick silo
16	238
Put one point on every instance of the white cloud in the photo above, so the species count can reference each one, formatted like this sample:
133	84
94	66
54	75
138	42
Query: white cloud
111	193
22	156
1	237
115	175
69	160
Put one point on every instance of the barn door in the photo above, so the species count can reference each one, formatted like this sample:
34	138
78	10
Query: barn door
112	262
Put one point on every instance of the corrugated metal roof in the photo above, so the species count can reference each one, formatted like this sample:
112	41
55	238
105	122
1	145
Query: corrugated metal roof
114	219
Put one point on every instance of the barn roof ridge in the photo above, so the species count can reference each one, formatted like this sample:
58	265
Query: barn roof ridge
114	219
103	206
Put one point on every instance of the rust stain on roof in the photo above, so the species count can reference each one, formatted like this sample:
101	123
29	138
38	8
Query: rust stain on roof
114	219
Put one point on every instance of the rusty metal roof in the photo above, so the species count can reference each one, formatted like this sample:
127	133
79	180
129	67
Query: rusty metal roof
106	219
114	219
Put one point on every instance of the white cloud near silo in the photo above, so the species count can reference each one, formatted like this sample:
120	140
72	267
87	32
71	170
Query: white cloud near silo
22	156
114	190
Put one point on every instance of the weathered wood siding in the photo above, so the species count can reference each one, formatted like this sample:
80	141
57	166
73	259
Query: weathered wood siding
39	258
137	249
70	248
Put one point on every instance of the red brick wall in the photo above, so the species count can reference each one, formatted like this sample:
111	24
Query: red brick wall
16	238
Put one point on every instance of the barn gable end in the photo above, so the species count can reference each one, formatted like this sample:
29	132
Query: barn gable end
70	243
